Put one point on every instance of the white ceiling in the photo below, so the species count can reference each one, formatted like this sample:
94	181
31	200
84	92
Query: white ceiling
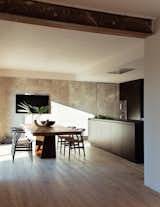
145	8
80	55
65	54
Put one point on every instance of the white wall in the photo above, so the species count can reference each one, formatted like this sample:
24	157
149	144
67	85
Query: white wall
152	112
68	116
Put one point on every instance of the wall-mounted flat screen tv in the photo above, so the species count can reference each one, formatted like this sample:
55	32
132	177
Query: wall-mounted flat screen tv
30	103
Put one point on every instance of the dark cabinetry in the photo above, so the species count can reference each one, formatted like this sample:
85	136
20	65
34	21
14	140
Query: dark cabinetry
122	138
133	92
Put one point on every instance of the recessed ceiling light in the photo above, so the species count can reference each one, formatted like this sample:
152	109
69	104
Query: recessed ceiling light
121	71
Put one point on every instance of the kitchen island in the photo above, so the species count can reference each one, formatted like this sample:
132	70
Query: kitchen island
121	137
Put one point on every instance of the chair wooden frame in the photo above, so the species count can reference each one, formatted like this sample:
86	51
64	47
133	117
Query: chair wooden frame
61	139
74	141
20	146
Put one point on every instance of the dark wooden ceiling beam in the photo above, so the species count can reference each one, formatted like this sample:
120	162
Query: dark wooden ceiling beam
46	14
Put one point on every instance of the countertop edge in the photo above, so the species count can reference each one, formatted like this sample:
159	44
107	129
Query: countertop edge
117	120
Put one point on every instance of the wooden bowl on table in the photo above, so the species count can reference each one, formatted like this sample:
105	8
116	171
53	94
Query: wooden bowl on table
46	123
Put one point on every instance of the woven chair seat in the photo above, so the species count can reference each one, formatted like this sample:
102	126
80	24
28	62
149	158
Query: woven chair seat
23	141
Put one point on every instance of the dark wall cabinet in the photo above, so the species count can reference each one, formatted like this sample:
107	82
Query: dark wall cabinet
133	92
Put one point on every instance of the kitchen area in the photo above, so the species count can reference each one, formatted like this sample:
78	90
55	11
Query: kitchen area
123	136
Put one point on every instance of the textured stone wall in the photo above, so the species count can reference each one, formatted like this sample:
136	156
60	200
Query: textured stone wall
82	95
108	99
95	98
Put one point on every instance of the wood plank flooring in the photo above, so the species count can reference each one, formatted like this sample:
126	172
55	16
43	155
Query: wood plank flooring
100	180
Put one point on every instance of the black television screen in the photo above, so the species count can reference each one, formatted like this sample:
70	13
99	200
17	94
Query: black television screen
29	103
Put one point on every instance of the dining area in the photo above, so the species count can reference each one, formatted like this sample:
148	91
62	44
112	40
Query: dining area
48	140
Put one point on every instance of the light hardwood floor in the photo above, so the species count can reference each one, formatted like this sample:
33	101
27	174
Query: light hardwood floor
100	180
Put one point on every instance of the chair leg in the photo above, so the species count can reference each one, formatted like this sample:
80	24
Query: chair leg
60	146
64	149
84	151
30	155
13	150
31	151
74	148
79	149
31	146
13	156
69	150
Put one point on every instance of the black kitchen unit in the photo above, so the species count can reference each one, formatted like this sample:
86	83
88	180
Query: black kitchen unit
133	93
123	136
